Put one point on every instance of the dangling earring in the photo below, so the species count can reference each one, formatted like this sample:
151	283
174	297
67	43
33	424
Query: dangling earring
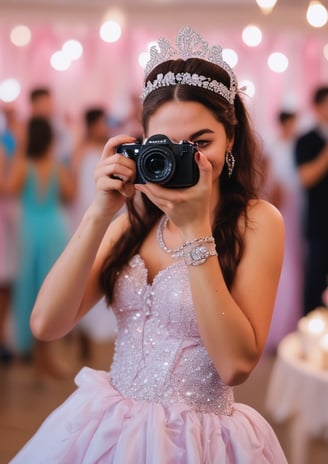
230	162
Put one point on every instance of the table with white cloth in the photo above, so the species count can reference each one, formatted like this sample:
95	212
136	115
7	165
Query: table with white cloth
298	393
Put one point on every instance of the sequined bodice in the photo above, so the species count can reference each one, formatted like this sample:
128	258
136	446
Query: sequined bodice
159	355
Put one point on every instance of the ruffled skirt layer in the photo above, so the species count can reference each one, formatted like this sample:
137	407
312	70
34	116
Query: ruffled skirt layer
96	424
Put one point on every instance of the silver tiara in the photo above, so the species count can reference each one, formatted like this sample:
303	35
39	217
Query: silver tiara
189	44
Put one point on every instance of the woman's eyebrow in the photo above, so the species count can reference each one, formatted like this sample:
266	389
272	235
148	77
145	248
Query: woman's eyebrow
199	133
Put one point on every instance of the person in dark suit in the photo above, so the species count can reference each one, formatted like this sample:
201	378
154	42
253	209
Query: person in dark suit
312	161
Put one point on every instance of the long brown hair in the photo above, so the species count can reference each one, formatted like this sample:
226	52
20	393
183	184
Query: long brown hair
235	191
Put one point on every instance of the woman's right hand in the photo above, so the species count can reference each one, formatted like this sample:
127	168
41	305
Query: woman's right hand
114	176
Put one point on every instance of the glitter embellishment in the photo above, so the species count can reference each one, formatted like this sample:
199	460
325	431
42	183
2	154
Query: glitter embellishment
159	356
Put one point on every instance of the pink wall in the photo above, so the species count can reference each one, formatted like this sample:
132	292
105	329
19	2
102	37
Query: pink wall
109	73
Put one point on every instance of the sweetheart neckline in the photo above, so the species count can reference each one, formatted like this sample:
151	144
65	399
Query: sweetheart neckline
159	273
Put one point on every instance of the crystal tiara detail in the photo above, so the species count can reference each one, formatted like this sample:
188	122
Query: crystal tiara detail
189	44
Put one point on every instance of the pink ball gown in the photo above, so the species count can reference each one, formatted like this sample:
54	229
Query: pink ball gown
162	402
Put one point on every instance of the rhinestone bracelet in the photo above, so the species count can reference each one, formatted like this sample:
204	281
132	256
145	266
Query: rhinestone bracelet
178	253
198	251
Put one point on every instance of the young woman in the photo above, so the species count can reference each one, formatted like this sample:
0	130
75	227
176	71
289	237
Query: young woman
191	274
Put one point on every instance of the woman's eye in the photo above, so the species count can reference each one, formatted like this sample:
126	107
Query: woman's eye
201	143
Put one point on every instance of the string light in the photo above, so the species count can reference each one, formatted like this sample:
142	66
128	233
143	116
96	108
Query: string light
316	15
60	61
9	90
73	49
145	56
248	87
110	31
230	56
278	62
266	5
325	51
20	35
252	35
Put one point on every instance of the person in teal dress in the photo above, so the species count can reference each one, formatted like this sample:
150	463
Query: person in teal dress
43	185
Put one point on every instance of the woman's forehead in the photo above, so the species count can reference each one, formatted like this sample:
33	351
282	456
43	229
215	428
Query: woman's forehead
180	120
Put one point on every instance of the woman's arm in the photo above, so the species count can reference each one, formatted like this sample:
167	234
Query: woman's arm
234	326
72	286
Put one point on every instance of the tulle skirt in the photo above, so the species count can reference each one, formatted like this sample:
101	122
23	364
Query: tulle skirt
96	424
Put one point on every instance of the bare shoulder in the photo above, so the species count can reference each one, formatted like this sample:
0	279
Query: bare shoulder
262	212
263	252
265	225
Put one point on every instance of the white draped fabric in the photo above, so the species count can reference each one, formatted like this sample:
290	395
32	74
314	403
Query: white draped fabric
298	392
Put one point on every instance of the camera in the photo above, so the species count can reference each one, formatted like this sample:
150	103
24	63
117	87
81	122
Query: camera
163	162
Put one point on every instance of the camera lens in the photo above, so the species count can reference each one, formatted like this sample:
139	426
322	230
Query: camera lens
156	165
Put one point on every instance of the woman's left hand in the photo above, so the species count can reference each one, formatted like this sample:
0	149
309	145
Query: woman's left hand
186	207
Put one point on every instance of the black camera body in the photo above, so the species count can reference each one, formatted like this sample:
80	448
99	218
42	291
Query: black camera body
163	162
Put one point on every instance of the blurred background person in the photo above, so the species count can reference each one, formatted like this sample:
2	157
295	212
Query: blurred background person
5	281
97	329
312	159
132	123
285	192
42	184
95	133
42	104
11	135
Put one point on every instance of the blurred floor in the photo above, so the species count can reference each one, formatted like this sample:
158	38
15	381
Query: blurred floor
26	400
